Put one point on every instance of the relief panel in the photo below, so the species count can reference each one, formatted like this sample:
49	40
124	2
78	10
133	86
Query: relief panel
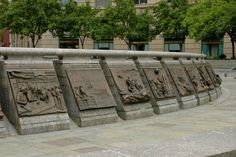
159	83
181	80
90	88
130	86
215	78
198	81
205	76
36	93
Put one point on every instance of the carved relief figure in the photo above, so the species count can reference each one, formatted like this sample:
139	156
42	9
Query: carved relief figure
84	100
215	78
89	87
205	80
135	94
36	94
57	93
160	84
196	78
186	89
181	80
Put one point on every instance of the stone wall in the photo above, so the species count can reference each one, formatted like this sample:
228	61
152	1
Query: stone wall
42	89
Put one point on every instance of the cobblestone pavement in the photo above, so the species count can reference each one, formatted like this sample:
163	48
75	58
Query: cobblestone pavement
200	131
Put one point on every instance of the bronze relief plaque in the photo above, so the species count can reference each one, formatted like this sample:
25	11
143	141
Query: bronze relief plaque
181	80
197	80
216	80
159	83
36	93
205	76
130	85
90	88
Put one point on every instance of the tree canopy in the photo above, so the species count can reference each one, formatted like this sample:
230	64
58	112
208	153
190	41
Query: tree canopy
169	16
211	20
127	24
78	21
30	17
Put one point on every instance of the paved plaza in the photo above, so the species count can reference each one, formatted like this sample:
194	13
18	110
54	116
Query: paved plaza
200	131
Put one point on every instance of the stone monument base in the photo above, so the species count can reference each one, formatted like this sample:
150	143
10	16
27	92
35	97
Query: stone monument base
189	102
96	117
44	123
135	111
204	98
166	106
213	95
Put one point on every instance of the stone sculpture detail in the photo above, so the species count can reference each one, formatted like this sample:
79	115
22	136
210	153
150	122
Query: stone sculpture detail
159	83
90	88
198	79
181	80
215	78
83	99
205	78
130	86
36	93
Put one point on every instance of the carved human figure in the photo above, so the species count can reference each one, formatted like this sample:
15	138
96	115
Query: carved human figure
133	85
43	94
185	87
79	91
194	81
32	94
135	94
204	79
160	84
21	96
56	94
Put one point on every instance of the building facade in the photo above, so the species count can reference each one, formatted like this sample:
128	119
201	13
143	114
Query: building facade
213	49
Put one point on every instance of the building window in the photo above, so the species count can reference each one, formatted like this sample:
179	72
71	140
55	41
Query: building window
212	48
103	3
173	45
104	45
140	1
139	46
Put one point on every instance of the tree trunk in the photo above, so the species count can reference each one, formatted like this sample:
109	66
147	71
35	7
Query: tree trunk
181	47
33	41
82	39
181	43
232	42
233	53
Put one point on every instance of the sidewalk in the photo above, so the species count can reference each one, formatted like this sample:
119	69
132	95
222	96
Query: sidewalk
201	131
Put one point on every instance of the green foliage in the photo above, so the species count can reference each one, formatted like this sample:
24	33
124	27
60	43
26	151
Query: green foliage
76	20
30	17
211	19
3	6
125	23
66	18
169	16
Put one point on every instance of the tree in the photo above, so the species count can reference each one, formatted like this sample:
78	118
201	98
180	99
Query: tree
87	20
126	23
30	18
3	8
65	20
169	16
209	19
76	20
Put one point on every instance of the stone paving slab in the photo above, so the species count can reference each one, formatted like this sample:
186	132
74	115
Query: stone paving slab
196	132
